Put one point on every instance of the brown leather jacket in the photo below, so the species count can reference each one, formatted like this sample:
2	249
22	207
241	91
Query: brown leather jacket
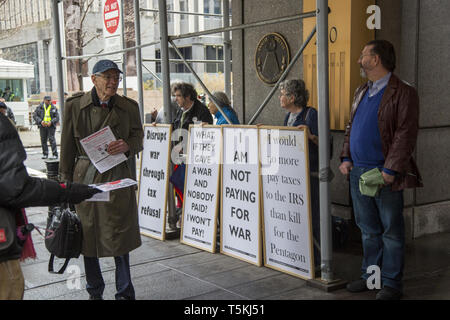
398	122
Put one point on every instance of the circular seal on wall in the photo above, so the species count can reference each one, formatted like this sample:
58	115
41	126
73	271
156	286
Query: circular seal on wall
271	57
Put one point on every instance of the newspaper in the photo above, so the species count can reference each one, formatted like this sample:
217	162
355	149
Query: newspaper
96	146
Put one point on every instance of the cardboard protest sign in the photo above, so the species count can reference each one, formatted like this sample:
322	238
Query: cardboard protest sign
240	197
288	244
201	191
154	180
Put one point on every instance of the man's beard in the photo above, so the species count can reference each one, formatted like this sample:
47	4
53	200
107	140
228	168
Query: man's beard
362	72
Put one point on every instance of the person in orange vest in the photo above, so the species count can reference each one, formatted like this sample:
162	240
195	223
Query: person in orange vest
46	117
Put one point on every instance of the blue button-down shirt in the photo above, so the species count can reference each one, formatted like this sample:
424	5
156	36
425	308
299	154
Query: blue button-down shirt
375	87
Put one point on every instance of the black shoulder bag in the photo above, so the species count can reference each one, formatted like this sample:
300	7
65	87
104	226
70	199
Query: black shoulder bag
63	236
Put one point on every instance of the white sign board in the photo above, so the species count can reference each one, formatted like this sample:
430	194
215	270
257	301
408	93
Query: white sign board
240	214
112	27
288	244
200	205
154	180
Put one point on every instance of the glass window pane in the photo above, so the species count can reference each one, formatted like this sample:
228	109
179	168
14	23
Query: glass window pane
217	6
11	89
183	7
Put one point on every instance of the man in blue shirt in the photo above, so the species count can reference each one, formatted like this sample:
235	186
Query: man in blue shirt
382	134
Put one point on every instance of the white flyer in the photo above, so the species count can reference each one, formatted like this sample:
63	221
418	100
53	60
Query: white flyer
99	197
96	146
118	184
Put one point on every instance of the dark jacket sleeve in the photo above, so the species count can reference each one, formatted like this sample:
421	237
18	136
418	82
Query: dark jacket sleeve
203	114
37	116
18	189
55	115
10	114
407	127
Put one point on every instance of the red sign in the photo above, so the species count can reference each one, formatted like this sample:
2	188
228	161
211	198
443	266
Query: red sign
111	15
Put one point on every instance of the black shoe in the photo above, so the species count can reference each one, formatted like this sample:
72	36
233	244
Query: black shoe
44	156
388	293
91	297
359	285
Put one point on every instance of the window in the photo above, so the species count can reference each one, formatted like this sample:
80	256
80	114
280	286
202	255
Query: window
15	89
183	7
214	53
217	6
175	67
180	67
205	6
27	53
170	8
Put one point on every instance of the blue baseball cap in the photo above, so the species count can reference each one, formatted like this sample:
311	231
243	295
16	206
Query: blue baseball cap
104	65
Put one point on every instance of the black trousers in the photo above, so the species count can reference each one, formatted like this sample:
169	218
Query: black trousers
48	134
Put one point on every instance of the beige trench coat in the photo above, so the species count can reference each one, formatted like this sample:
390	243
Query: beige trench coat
109	228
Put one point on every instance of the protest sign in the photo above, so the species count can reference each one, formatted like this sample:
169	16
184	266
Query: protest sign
154	180
288	244
200	205
240	214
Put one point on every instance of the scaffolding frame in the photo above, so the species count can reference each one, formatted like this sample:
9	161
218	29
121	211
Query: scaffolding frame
321	28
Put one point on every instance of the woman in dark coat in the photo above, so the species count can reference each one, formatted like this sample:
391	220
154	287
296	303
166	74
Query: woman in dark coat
293	98
19	190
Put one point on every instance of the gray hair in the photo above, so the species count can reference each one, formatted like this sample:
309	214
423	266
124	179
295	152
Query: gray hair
296	88
222	98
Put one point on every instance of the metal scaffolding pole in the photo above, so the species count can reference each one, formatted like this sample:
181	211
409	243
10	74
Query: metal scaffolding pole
165	75
135	48
184	12
324	141
244	26
181	60
283	76
200	33
153	74
59	66
165	67
227	48
137	29
211	97
124	56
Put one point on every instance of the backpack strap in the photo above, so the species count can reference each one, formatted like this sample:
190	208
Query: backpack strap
50	265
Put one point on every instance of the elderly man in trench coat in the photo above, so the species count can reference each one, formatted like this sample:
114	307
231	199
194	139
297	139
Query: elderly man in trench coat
110	229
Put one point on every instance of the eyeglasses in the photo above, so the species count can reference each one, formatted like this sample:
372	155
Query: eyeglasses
109	78
363	55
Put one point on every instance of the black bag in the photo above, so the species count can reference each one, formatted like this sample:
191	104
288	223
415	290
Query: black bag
340	232
7	230
63	237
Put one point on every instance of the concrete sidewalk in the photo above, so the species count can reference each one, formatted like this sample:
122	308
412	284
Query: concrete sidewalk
170	270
